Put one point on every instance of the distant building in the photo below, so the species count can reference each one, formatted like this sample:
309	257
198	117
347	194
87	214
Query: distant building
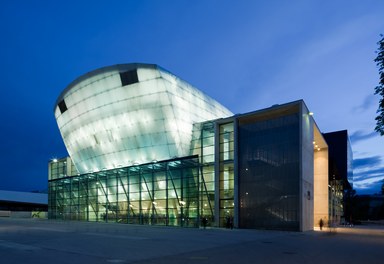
23	204
368	208
340	167
148	148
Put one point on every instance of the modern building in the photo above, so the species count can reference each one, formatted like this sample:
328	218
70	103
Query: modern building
146	147
340	177
23	204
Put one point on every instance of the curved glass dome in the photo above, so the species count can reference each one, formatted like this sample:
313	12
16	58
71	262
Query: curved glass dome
130	114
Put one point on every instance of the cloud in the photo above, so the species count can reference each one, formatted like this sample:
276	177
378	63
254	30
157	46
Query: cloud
373	171
359	135
368	187
368	175
366	162
339	37
369	101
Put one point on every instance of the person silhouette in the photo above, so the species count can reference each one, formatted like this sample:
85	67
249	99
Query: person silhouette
205	221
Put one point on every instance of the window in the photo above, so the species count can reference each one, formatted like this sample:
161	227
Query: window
62	106
128	77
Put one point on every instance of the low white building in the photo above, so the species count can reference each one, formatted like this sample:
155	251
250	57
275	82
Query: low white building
23	204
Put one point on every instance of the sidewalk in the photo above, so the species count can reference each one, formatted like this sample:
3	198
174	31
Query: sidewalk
45	241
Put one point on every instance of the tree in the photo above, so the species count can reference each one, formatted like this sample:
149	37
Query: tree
382	187
380	88
350	205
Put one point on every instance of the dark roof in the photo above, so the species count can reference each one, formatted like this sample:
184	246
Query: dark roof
24	197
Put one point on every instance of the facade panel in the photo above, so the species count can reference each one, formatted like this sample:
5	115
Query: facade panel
269	173
130	114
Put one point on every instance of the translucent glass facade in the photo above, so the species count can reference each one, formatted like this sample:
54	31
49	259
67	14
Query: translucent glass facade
130	114
162	193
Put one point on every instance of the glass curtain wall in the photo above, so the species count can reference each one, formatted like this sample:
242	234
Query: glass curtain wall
58	169
226	165
203	144
269	172
161	193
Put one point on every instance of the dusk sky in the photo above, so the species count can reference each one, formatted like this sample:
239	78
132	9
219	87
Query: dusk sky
247	55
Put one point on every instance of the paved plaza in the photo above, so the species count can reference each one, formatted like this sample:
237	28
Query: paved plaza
44	241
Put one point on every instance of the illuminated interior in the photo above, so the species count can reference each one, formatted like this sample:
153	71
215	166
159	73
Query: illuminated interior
130	114
321	207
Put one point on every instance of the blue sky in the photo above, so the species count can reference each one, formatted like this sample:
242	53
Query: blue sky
246	54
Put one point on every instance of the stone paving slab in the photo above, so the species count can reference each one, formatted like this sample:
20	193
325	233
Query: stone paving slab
45	241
